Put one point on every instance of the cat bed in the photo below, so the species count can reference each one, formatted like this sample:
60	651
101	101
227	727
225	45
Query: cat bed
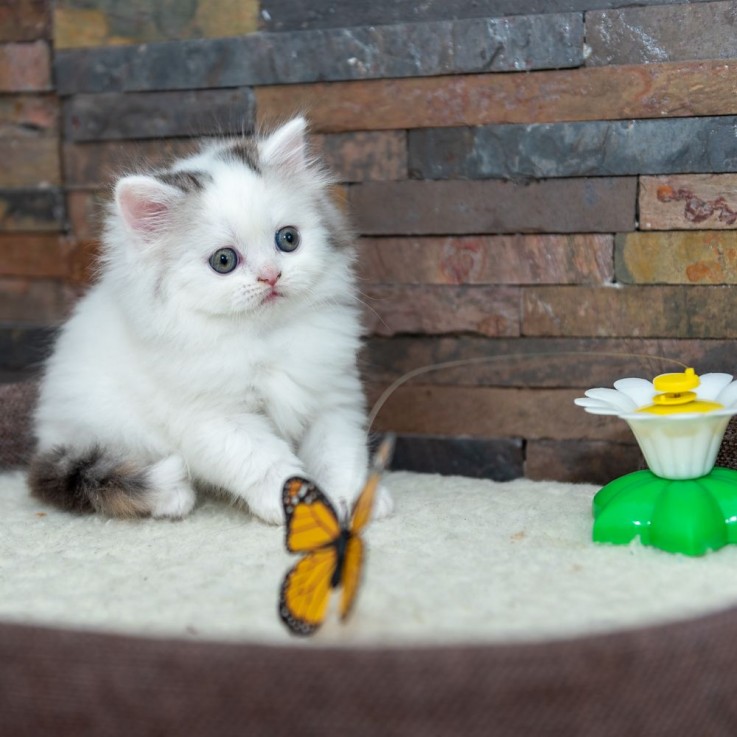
485	610
485	607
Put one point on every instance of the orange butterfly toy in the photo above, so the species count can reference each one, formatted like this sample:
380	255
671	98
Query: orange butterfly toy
334	550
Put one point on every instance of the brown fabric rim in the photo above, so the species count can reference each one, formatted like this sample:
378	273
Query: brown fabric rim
678	679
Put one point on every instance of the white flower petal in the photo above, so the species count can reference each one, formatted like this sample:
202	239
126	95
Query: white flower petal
603	411
612	397
728	395
594	404
711	384
640	391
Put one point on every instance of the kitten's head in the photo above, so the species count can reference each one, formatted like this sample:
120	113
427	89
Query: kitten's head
246	227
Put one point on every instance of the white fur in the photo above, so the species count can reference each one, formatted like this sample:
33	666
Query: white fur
173	495
166	358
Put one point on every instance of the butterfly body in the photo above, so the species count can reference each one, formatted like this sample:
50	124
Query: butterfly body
341	544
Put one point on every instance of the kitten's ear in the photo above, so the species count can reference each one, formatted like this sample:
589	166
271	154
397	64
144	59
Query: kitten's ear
144	202
287	146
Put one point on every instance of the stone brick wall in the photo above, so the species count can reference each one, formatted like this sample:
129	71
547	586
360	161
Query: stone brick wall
529	177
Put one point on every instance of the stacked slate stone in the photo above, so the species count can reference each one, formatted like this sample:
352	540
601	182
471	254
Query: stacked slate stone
528	177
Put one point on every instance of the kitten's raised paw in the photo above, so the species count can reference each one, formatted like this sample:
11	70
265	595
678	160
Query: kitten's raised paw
171	493
383	504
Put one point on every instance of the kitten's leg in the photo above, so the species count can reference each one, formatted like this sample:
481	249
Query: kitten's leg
334	451
244	456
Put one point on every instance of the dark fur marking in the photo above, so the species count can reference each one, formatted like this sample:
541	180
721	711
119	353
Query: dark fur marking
245	151
187	181
90	481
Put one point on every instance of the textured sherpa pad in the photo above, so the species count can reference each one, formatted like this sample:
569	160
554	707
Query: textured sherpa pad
461	560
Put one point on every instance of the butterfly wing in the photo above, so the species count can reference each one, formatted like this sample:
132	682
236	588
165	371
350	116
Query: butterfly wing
311	521
365	502
355	550
352	570
305	591
312	527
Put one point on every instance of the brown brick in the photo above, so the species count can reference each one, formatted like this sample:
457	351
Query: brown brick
667	311
364	156
597	93
581	461
392	310
494	413
47	256
83	261
539	362
28	116
35	301
138	21
29	162
25	67
513	259
677	257
24	20
597	205
85	211
35	255
688	201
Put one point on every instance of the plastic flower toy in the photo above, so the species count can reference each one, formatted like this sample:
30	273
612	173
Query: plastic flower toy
682	504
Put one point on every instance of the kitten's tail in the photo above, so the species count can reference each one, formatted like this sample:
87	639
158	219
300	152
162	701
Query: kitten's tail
91	480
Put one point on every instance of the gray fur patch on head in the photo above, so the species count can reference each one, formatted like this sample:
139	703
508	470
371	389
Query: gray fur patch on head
342	235
187	181
245	151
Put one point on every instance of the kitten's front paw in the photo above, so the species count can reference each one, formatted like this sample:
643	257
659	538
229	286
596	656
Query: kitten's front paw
265	499
171	493
267	509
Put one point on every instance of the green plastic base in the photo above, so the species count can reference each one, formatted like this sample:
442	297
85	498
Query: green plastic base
691	516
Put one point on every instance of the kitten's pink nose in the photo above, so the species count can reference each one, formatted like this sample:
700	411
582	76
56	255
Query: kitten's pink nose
270	277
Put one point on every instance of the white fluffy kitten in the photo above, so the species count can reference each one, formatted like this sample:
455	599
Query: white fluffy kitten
218	345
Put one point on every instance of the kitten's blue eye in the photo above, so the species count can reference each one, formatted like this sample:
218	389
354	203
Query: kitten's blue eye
224	260
287	238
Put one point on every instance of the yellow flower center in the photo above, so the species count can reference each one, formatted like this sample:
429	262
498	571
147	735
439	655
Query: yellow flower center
675	397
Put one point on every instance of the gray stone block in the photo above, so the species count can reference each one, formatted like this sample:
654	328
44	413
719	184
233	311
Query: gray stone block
158	115
501	459
598	148
34	210
293	15
659	34
367	52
